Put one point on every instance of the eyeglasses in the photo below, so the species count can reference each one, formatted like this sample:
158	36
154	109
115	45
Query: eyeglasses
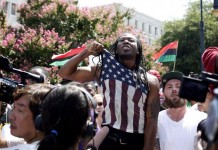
100	103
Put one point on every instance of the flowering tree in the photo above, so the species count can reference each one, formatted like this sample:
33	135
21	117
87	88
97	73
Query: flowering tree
54	26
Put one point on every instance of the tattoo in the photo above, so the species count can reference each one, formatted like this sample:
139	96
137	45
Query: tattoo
153	108
157	144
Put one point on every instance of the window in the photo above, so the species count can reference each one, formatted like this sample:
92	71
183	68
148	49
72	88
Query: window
149	29
13	9
150	42
5	7
143	26
161	32
136	24
128	22
156	33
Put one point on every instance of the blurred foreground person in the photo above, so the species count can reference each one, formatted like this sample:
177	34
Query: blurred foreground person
26	108
210	62
64	115
208	128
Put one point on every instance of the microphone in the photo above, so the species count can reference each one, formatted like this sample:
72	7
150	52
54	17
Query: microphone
28	75
98	138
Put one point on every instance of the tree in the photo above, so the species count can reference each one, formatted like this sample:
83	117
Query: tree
187	31
54	26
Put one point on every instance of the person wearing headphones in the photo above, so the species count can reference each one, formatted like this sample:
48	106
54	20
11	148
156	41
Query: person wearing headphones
26	108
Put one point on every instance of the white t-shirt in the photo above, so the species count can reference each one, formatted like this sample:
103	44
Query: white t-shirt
32	146
178	135
195	107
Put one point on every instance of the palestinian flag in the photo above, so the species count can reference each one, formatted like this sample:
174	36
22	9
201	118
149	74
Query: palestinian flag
167	53
61	59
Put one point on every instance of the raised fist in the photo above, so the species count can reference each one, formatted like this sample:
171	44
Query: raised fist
95	48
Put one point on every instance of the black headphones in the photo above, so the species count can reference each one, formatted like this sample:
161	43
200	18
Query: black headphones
38	122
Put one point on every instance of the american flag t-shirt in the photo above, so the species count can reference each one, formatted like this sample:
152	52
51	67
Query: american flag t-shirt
124	97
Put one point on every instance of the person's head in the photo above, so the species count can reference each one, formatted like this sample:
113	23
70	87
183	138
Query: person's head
40	71
27	104
127	46
210	59
65	111
210	62
90	87
171	84
99	100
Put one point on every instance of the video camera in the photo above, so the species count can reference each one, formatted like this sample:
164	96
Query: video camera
8	86
196	89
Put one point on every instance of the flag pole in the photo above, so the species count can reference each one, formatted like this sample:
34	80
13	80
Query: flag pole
174	65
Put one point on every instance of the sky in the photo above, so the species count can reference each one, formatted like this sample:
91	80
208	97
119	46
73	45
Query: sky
163	10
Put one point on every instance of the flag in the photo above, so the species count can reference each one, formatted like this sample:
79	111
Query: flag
61	59
122	89
167	53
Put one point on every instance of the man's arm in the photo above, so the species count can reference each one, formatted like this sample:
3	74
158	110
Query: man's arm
71	71
151	111
157	144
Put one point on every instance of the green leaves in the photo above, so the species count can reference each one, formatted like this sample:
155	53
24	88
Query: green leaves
187	31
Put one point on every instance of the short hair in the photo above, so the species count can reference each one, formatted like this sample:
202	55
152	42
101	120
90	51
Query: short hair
37	92
86	84
40	71
65	110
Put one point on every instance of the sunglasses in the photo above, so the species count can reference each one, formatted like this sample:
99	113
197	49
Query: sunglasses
99	103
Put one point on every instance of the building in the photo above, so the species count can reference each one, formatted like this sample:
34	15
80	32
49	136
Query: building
151	27
10	8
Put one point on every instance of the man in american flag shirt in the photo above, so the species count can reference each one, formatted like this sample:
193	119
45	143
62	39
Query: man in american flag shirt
130	95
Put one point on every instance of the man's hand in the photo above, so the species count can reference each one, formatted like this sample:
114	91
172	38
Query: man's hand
95	48
199	144
5	64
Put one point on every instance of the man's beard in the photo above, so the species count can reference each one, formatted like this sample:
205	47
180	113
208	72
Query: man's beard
175	102
125	56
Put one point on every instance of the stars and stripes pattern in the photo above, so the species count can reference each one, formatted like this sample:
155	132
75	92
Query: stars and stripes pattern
124	96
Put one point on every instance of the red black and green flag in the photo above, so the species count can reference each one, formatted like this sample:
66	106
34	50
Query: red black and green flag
167	53
61	59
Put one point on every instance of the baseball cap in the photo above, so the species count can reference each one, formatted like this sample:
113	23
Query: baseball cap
171	75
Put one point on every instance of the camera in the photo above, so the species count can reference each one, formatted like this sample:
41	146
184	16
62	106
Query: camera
8	86
196	88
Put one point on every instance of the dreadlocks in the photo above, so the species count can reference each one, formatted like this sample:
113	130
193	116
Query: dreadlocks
139	63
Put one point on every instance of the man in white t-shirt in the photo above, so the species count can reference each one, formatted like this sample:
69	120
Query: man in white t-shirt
177	125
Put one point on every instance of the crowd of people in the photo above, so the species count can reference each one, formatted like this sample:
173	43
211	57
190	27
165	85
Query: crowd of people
114	104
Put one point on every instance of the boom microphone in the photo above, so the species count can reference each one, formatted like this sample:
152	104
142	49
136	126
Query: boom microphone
28	75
